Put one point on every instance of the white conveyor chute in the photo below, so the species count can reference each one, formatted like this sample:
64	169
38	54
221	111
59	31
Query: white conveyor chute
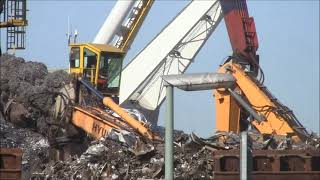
170	52
114	21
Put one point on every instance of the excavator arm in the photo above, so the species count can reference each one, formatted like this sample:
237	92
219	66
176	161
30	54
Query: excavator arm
242	31
98	123
266	113
249	102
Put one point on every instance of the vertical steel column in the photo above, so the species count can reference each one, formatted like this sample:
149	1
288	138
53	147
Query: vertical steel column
24	9
245	157
169	134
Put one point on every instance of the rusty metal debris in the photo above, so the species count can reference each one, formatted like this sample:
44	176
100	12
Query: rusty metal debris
34	146
270	164
10	163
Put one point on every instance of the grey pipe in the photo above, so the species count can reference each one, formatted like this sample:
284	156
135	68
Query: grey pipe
246	106
245	157
169	135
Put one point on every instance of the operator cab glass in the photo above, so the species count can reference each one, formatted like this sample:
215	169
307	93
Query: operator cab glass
89	64
75	57
109	72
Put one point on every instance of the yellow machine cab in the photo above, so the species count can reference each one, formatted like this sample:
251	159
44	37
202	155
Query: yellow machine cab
100	64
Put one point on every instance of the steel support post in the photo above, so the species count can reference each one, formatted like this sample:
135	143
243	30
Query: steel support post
245	157
169	134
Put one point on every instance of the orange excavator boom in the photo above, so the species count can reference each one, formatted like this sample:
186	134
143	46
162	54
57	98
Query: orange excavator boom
265	112
249	102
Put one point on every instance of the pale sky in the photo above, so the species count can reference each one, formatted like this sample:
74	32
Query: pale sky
288	33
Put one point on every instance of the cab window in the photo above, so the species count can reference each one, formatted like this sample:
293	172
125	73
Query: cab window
89	64
103	68
75	57
115	67
90	58
109	72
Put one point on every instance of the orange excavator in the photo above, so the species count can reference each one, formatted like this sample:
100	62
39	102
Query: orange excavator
249	102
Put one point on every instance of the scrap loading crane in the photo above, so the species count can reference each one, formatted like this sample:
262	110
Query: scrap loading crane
185	35
180	41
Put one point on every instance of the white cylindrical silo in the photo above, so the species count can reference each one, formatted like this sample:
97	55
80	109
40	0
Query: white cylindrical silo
113	21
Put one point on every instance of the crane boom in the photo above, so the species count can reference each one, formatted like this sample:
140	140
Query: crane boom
113	22
123	23
170	52
133	24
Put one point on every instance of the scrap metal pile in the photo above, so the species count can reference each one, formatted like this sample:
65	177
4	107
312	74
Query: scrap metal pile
28	91
28	94
35	147
193	159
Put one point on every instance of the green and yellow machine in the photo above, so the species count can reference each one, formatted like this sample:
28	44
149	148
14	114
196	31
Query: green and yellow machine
100	64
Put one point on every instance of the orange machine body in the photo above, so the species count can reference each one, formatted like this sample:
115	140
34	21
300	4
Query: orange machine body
228	115
95	122
98	123
139	126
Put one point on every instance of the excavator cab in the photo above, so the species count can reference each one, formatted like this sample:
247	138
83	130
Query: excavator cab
99	64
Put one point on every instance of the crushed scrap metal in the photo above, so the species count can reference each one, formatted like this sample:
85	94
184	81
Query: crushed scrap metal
34	146
193	157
